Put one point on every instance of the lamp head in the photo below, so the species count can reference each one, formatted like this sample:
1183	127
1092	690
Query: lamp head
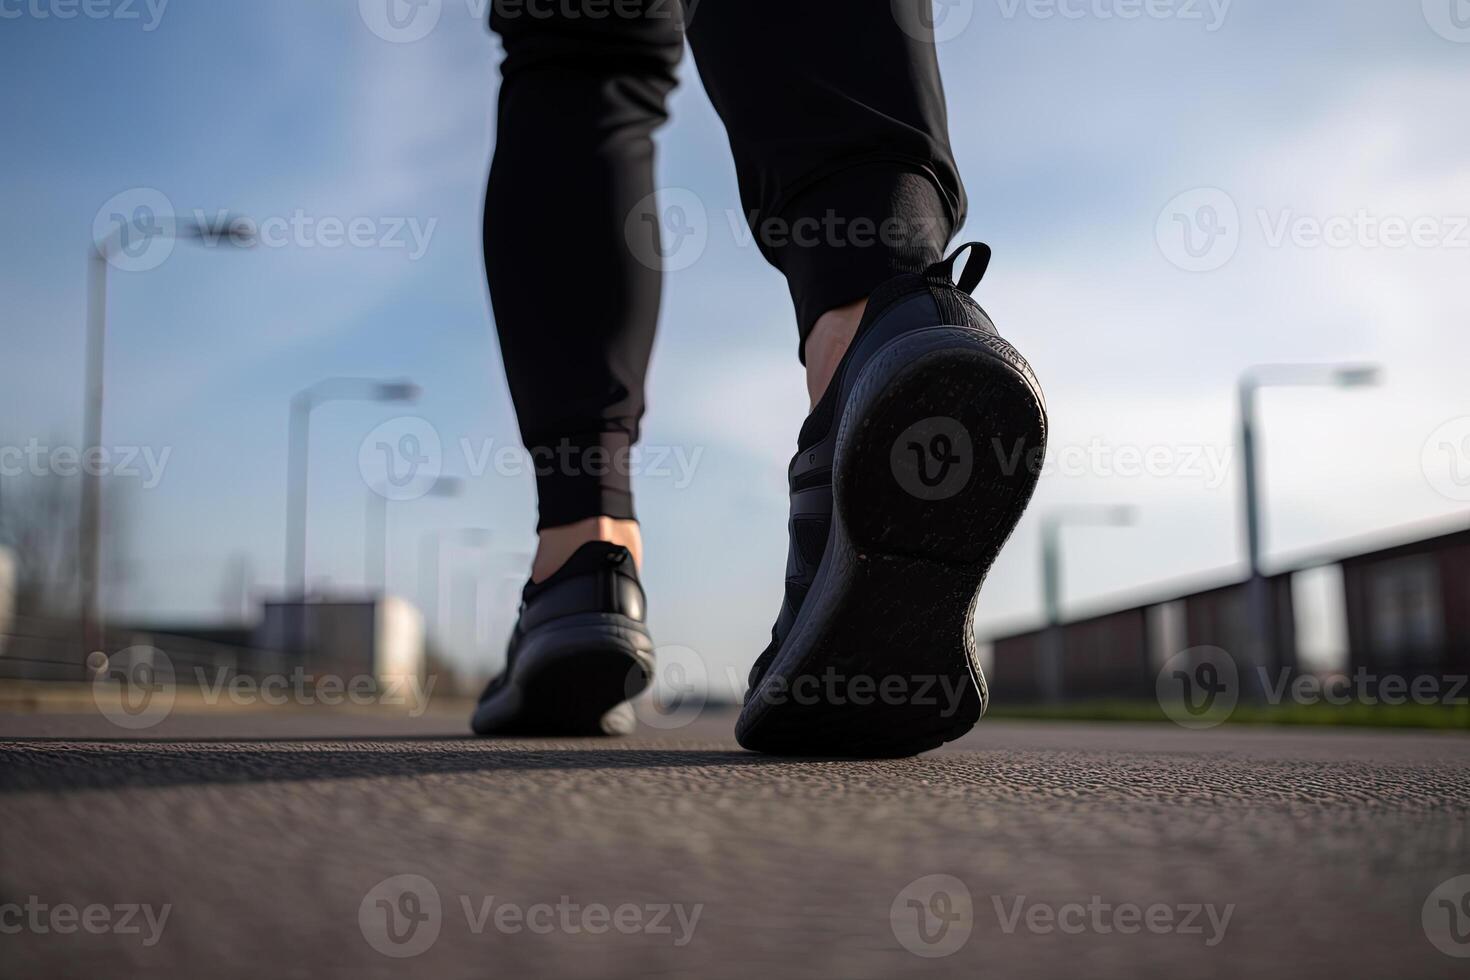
226	229
397	391
446	486
1357	375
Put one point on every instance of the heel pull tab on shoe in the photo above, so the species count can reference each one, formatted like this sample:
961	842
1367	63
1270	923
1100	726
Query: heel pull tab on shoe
974	270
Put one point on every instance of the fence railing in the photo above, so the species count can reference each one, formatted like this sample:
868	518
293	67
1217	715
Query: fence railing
34	648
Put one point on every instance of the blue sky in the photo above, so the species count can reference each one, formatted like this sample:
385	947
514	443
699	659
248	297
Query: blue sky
1076	128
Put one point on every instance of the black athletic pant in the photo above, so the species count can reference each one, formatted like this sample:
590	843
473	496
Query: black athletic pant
836	118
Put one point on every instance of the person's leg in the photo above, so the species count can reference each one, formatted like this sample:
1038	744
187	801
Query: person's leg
575	304
837	123
900	497
829	339
571	254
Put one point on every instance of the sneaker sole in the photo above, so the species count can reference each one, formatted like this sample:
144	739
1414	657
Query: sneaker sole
937	455
574	679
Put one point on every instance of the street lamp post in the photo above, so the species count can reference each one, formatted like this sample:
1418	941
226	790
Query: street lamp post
430	553
1261	610
375	531
299	439
1050	663
303	403
230	230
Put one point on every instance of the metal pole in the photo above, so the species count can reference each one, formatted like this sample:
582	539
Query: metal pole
90	529
1051	572
375	542
1050	677
299	435
1248	469
299	440
429	580
303	403
431	561
1260	620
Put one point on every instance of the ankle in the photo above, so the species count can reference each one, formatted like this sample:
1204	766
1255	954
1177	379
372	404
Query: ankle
555	545
829	339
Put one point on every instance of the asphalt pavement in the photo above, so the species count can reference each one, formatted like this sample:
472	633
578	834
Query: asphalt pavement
322	844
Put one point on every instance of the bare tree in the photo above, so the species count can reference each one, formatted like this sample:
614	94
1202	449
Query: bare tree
39	525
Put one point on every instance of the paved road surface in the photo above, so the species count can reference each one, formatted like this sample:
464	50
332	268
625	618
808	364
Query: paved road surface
270	839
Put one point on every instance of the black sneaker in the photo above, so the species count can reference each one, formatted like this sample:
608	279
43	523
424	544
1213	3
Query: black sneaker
580	651
911	472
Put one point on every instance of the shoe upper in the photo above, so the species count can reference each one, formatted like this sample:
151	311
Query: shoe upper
904	303
599	577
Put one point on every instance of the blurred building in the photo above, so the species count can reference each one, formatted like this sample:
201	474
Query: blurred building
1408	607
381	636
